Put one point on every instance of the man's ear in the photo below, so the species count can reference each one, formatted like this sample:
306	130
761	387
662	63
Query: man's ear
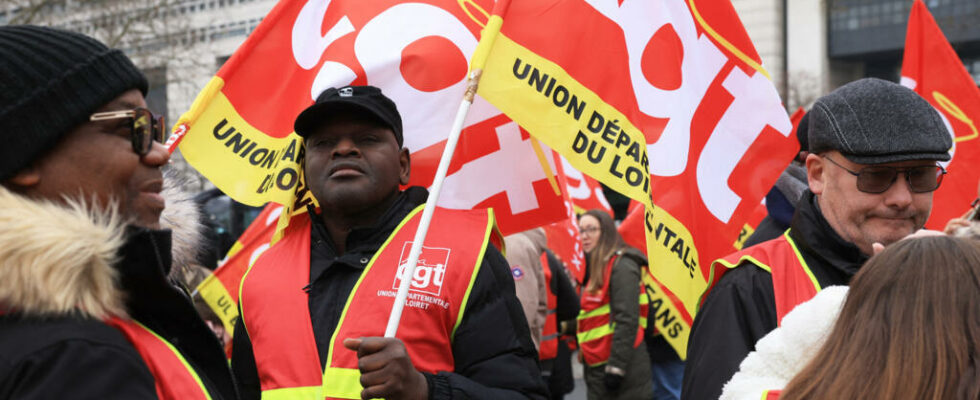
25	178
815	173
405	161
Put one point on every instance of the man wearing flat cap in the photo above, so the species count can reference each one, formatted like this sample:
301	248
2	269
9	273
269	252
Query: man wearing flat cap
315	305
872	169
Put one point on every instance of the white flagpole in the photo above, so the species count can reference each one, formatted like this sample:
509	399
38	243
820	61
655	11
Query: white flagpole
430	205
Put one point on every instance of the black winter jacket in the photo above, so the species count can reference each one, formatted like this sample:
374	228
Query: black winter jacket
494	355
72	273
558	371
741	308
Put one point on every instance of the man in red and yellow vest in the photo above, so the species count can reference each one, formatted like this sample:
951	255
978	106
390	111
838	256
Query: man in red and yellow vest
872	168
315	305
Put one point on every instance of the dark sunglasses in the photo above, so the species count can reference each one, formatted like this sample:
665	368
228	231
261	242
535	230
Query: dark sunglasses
877	179
145	127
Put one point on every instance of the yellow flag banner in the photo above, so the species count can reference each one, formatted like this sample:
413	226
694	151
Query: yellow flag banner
247	165
659	100
549	103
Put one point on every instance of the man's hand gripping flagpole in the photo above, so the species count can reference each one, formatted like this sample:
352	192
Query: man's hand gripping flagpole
476	68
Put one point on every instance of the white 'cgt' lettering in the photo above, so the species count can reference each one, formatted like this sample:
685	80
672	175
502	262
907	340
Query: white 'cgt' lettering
741	123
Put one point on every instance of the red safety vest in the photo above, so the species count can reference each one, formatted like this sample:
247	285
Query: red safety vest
595	325
792	280
549	335
174	377
275	308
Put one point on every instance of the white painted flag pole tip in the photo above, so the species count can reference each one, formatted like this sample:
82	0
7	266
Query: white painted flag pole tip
430	205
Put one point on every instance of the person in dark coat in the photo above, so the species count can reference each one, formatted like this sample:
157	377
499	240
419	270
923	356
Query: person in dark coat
872	172
354	164
625	372
558	371
84	252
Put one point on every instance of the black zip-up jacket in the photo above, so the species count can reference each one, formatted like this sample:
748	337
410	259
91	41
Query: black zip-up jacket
741	308
493	352
75	356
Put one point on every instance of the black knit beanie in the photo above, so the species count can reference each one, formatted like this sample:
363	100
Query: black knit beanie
51	80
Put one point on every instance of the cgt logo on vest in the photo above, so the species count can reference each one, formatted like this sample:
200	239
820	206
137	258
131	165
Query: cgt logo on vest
429	273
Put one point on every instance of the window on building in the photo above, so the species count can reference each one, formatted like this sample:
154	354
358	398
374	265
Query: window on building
156	95
220	61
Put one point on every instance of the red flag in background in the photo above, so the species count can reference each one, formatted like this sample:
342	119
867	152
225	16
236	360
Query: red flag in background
585	191
760	211
932	69
563	236
220	290
631	228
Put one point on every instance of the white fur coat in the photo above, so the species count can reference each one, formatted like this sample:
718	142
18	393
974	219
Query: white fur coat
782	353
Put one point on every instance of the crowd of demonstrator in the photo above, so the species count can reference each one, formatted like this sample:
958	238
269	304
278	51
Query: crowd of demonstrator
841	296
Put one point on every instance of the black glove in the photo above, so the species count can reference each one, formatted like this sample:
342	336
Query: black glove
612	382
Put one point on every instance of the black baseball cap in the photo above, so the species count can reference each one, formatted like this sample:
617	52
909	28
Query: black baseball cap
365	100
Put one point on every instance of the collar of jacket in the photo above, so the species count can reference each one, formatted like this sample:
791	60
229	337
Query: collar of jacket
404	203
60	259
633	253
816	238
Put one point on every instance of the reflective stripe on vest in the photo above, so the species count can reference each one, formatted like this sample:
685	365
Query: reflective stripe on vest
549	335
173	376
595	327
792	280
275	307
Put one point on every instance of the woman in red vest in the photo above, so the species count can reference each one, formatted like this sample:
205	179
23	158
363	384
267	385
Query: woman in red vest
613	313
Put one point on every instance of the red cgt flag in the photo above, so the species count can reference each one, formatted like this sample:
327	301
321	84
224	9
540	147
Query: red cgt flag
418	54
239	131
932	69
664	101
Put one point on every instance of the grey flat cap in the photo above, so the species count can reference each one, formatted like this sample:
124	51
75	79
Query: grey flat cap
873	121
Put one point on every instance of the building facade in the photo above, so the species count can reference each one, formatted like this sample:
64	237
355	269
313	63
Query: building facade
179	44
813	46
